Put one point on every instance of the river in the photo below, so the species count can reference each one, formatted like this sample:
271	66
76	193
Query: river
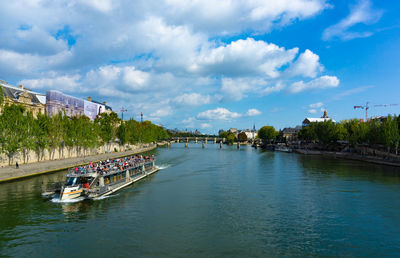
215	202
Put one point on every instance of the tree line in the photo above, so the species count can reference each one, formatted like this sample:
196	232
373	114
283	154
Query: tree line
374	132
21	132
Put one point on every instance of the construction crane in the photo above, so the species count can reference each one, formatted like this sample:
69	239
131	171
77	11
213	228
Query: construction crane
122	112
366	107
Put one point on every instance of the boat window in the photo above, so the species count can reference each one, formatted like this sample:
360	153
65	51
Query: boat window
72	181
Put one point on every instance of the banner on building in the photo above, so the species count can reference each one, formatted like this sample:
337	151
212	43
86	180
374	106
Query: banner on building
93	109
57	102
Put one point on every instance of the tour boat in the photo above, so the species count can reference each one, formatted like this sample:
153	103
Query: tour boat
105	177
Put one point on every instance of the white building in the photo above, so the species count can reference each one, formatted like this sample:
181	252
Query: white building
325	117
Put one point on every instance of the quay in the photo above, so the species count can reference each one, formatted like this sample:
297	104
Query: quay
10	173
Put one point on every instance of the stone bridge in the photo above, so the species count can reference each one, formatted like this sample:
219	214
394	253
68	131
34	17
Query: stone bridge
197	139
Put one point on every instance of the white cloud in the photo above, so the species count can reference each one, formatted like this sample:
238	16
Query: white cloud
218	114
192	99
312	111
99	5
242	58
189	122
26	64
316	105
226	16
205	125
277	88
306	65
361	13
63	83
322	82
253	112
165	111
134	78
236	89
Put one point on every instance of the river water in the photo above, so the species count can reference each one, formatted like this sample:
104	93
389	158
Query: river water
212	202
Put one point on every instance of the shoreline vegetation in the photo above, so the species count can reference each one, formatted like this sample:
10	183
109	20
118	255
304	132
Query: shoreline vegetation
10	173
375	141
27	139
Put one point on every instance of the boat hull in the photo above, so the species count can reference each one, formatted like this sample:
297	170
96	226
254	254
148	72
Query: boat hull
91	194
69	193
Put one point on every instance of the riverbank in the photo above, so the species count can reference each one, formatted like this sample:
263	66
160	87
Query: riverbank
350	156
33	169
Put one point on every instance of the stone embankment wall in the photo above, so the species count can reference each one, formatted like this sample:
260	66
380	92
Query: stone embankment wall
62	153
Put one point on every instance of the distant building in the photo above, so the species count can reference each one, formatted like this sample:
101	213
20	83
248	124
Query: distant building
290	134
251	134
32	101
107	110
233	130
325	117
58	102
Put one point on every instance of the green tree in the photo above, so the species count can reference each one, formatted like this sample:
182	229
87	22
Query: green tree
242	137
357	131
1	95
267	133
12	132
307	134
40	130
108	126
28	140
230	138
326	132
375	134
390	133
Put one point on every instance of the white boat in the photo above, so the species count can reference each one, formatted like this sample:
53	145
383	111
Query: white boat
105	177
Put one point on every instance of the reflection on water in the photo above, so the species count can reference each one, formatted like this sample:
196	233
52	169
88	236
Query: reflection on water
212	202
353	170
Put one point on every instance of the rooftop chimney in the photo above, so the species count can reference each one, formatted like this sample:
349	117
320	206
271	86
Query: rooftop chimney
21	87
104	103
89	98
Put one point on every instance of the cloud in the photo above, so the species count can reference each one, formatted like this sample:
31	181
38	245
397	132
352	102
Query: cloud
306	65
322	82
253	112
63	83
316	105
243	58
192	99
277	88
189	122
26	64
165	111
350	92
236	89
205	126
104	6
225	16
154	57
361	13
222	114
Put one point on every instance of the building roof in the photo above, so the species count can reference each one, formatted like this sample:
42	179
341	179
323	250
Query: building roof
291	130
316	120
97	102
14	93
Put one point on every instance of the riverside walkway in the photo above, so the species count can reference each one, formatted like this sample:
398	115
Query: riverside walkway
10	173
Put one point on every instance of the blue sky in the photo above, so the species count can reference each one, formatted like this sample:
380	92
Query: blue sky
209	64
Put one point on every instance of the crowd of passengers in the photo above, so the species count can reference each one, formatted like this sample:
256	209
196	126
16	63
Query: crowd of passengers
107	166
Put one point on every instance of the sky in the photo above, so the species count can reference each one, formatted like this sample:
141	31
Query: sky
209	64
